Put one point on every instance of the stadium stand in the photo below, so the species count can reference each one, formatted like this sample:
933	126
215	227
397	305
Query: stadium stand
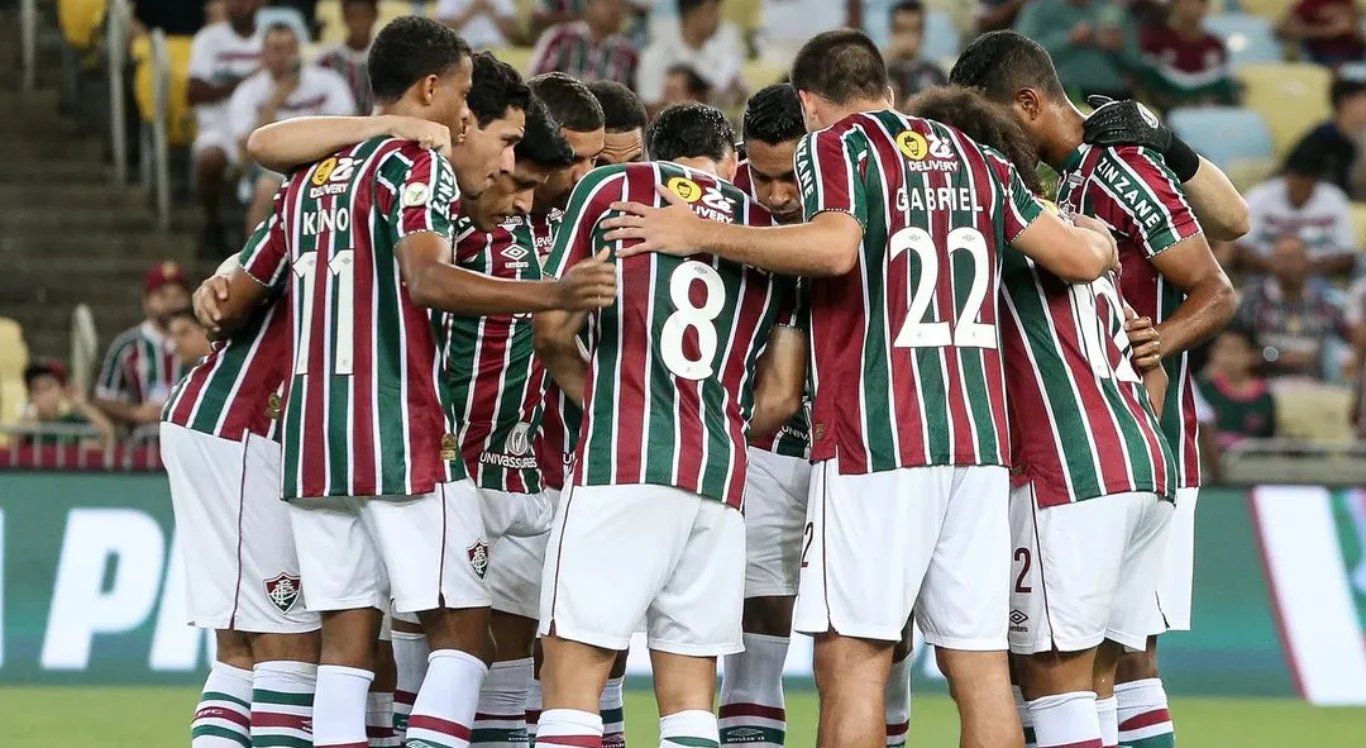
1293	97
941	38
13	359
329	16
1227	136
1247	38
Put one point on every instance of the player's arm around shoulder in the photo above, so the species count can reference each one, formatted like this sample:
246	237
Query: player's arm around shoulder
288	144
781	380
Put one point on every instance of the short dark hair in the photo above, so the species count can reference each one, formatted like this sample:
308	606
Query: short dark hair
774	115
999	63
1306	159
374	4
1344	89
622	109
1242	330
409	49
495	88
569	101
687	6
841	66
185	313
44	367
690	130
543	144
907	6
697	86
986	122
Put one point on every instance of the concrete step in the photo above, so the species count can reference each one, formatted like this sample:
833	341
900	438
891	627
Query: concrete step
56	172
80	195
54	147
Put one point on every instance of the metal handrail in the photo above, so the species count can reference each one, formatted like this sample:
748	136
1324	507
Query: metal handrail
28	26
161	149
117	32
66	446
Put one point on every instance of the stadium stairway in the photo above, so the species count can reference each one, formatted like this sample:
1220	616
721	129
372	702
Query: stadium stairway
68	234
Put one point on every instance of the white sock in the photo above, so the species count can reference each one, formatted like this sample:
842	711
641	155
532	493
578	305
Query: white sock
1107	710
339	707
693	728
501	717
753	710
410	659
570	728
445	706
1022	709
379	720
612	709
282	702
1067	719
1144	720
898	703
223	717
533	708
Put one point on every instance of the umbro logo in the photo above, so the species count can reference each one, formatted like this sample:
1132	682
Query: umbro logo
516	253
1017	618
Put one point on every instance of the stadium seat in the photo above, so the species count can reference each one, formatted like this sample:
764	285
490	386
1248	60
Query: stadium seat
1247	38
518	57
962	14
941	38
329	15
291	17
180	119
13	359
1223	135
1307	410
82	21
1291	97
1271	10
1359	220
759	74
747	15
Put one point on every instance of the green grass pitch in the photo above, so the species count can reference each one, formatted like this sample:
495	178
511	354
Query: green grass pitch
159	718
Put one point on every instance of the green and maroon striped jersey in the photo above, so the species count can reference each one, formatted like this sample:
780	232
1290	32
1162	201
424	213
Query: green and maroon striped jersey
558	434
139	367
907	366
671	363
496	389
1132	190
368	411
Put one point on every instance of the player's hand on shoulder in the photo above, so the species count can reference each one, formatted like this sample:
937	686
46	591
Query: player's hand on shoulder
1096	226
668	230
1126	122
207	298
425	133
588	285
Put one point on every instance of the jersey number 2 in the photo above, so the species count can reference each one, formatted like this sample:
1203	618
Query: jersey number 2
966	330
342	267
688	315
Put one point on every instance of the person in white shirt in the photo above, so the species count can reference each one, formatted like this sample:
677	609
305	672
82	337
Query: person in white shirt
284	88
1299	203
222	55
350	58
713	49
485	24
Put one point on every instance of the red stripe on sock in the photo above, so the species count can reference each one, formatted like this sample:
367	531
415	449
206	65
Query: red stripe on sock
218	712
375	731
576	741
900	728
274	719
752	710
342	745
499	717
404	697
533	716
1146	719
436	724
1083	744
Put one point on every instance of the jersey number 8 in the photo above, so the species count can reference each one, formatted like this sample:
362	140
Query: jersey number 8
688	315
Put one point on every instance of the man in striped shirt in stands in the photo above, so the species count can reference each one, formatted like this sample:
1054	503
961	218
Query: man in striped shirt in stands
590	49
141	368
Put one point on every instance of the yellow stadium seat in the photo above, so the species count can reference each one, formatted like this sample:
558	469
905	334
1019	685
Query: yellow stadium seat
1246	173
13	359
81	21
959	12
1359	220
1307	410
329	16
1272	9
747	15
179	120
518	57
758	74
1293	97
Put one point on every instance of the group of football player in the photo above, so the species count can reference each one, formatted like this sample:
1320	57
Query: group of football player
510	375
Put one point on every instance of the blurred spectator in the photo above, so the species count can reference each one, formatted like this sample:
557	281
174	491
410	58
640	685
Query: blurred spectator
1241	399
350	58
1356	317
788	24
1297	203
909	74
624	119
175	17
994	15
1335	142
282	89
590	49
1329	29
223	55
52	401
682	85
141	366
1293	319
485	24
190	339
1092	42
712	49
1187	66
555	12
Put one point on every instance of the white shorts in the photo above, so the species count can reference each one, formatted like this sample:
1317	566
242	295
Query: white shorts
935	540
240	566
775	520
523	515
223	141
1174	591
514	579
620	553
424	552
1085	572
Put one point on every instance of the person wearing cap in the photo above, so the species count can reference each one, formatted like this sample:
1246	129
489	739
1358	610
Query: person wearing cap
141	365
51	401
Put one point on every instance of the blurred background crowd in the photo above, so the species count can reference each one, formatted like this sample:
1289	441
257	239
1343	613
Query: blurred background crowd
132	158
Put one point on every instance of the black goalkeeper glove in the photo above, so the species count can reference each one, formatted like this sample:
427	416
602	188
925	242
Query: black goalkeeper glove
1127	122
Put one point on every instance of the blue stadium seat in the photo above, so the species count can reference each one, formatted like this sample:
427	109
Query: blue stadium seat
275	16
1248	38
1224	135
941	38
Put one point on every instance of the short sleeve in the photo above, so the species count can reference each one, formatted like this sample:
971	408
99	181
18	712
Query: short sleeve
829	176
202	55
113	383
587	205
423	189
340	101
1344	227
1019	206
243	107
1135	192
543	56
266	255
650	74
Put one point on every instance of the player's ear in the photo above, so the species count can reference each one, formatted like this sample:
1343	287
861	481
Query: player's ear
1028	104
729	165
810	110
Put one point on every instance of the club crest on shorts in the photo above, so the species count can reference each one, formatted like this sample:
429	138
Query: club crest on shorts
478	553
283	591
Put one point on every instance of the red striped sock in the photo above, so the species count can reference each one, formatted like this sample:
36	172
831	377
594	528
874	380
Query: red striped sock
282	704
1066	720
379	721
445	707
569	728
223	717
1144	720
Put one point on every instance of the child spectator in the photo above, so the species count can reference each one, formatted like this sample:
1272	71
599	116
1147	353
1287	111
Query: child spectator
909	74
1241	399
349	58
52	402
1187	66
190	338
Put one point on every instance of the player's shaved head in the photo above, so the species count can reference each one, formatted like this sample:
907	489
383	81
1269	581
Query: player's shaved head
410	49
986	122
774	115
690	130
569	101
841	66
1001	63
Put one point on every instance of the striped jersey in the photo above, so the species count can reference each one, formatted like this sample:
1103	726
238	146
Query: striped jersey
1132	190
139	367
794	438
905	347
367	411
569	48
496	389
671	363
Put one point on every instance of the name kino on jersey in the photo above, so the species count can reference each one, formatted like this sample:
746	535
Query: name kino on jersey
937	198
337	219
